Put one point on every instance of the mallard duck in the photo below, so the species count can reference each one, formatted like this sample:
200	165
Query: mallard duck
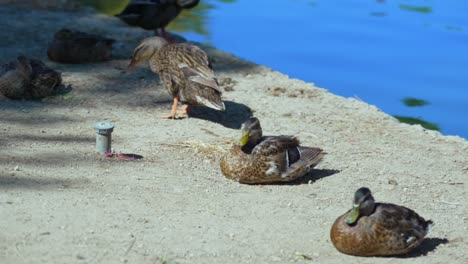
267	159
79	47
154	14
184	70
377	229
28	79
15	76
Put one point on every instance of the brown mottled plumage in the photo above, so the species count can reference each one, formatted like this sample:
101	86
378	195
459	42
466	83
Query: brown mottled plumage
79	47
28	79
259	159
185	71
377	229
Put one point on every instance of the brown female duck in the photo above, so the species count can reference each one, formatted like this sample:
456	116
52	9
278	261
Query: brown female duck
154	14
79	47
28	79
377	229
267	159
184	70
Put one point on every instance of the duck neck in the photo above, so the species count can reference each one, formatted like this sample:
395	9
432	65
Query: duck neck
247	148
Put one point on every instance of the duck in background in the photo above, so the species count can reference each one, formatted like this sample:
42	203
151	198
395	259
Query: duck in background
26	78
259	159
70	46
378	229
154	14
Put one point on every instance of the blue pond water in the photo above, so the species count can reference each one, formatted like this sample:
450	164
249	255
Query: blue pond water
380	51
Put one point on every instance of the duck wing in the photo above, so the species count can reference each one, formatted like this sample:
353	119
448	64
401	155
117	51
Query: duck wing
198	84
272	145
402	227
288	157
194	62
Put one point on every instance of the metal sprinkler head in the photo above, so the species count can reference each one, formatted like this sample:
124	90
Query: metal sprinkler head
103	136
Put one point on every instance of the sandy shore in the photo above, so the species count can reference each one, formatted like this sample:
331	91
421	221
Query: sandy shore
60	203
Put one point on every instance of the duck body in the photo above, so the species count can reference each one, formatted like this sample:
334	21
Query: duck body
185	71
154	14
77	47
268	159
387	230
268	162
187	74
28	79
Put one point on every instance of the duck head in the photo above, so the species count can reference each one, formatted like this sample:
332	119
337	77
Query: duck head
251	132
145	50
363	205
23	65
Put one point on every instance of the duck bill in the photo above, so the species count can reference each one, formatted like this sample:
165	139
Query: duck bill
244	138
353	215
132	65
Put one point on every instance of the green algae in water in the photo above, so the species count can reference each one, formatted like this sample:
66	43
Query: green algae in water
417	121
455	28
414	102
419	9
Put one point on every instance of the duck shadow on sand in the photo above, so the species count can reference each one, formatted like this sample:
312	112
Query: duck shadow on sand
233	117
427	245
311	177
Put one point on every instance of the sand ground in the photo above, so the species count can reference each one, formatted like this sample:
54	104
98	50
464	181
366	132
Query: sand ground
60	203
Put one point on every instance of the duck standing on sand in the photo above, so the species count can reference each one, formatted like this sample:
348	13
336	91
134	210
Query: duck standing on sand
185	72
267	159
377	229
154	14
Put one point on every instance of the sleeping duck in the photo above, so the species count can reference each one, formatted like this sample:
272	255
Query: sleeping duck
26	78
70	46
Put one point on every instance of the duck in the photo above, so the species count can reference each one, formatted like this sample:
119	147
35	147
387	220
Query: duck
154	14
26	78
259	159
76	47
185	71
378	229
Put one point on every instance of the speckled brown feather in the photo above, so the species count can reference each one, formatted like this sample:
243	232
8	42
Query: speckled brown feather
15	76
28	79
256	167
44	82
186	72
384	232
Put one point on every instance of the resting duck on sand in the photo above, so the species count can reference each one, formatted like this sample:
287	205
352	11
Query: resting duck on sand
267	159
377	229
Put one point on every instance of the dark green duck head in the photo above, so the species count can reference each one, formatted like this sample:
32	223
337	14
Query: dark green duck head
363	205
251	132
